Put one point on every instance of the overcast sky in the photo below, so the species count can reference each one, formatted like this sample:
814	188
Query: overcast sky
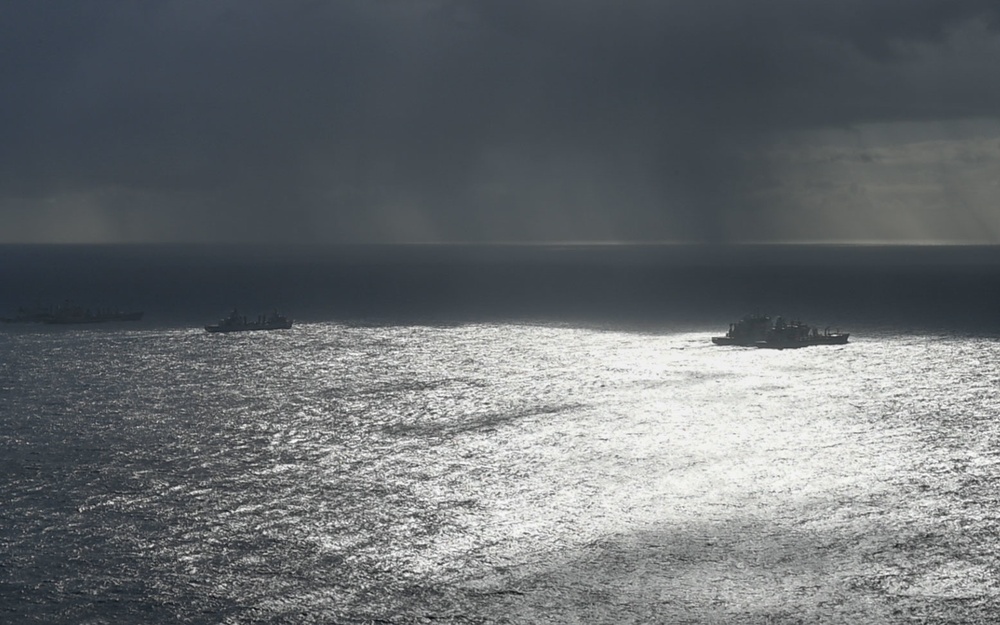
500	120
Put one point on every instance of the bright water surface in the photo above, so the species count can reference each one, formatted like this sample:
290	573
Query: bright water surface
495	473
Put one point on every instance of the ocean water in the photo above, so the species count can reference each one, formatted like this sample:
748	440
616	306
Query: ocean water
496	471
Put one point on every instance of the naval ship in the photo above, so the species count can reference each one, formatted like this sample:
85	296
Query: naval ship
236	322
69	313
756	330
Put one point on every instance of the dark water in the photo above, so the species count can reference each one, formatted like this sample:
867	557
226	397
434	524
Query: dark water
596	467
939	287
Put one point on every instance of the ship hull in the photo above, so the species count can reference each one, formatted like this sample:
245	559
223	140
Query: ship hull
248	328
727	340
823	339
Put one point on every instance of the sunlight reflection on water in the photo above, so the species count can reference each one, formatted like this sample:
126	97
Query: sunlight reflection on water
497	472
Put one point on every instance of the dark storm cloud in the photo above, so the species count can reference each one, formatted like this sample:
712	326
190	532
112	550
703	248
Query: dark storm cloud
430	120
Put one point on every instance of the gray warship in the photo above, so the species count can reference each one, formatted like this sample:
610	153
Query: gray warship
69	313
236	322
757	330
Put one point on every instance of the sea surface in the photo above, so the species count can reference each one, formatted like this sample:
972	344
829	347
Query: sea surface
500	435
503	471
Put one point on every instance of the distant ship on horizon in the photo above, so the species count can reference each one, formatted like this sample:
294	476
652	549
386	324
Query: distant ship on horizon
69	313
236	322
756	330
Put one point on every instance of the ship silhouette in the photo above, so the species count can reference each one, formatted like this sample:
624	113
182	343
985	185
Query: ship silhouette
236	322
70	313
757	330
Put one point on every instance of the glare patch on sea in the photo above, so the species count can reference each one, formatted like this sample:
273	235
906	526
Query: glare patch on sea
499	473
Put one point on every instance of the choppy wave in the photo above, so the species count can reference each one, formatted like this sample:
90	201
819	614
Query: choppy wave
495	473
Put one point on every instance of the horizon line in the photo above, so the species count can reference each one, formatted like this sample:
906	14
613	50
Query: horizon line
510	244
